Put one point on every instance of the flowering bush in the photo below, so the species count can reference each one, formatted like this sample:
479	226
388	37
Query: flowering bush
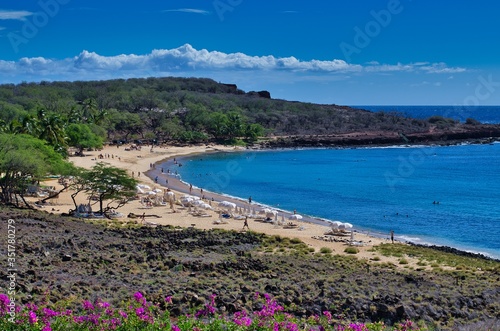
140	314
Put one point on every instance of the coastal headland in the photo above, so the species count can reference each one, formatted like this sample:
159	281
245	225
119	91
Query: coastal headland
476	134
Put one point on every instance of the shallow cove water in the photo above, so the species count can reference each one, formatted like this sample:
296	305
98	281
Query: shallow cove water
436	195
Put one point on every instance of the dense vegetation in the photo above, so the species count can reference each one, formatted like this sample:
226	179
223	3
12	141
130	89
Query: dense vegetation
84	114
26	160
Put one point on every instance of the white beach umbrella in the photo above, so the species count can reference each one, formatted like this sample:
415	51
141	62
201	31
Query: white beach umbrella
295	217
205	206
345	226
158	190
271	213
151	193
227	205
186	200
336	224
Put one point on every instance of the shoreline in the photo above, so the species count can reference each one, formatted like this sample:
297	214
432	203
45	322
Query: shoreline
134	162
140	161
184	187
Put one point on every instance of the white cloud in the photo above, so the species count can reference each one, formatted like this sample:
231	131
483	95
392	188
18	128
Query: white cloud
188	61
188	10
19	15
424	83
441	68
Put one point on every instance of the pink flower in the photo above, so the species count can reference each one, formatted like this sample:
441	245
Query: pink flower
102	304
87	305
138	297
32	317
49	312
168	299
4	302
31	306
241	318
175	328
123	314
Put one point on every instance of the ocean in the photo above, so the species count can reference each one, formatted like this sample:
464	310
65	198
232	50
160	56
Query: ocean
447	195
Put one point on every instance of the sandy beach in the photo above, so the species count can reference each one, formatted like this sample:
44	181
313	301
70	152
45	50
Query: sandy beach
143	162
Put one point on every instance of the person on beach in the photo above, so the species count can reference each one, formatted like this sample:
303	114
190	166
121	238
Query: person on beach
392	236
143	218
245	223
249	199
156	179
190	188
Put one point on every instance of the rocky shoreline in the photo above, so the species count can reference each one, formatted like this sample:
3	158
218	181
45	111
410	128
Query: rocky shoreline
76	260
455	251
470	134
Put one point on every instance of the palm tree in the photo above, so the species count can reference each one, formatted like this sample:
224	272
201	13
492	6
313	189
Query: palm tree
51	129
29	125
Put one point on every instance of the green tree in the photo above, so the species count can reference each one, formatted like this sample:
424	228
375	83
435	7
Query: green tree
170	129
109	184
235	125
125	123
50	127
81	137
254	131
218	125
25	160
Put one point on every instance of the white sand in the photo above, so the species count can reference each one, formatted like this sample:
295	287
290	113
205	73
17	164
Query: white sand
139	162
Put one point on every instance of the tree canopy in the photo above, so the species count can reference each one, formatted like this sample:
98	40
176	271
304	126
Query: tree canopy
106	183
169	108
81	136
25	160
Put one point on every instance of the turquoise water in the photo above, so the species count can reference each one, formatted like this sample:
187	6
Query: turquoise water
376	189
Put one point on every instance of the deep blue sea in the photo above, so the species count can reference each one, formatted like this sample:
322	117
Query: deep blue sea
375	189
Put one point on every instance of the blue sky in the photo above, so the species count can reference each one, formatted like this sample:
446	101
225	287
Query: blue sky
359	52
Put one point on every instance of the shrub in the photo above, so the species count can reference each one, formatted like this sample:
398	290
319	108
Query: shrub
403	261
351	250
472	121
140	314
325	250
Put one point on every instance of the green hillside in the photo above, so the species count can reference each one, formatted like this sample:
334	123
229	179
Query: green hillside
183	109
